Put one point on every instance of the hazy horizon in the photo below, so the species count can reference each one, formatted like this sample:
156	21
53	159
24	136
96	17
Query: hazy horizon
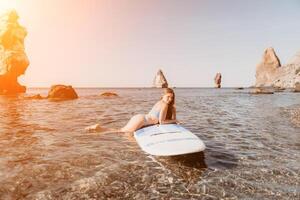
137	87
113	44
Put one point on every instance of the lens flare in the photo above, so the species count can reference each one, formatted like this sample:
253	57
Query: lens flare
6	5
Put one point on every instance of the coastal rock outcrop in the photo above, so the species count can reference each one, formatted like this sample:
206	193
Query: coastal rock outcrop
34	97
262	91
13	59
239	88
218	79
160	80
62	92
270	72
109	94
297	87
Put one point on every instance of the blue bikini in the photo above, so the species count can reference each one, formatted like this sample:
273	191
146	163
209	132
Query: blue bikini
153	113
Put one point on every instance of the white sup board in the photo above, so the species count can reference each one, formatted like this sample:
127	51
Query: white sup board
168	140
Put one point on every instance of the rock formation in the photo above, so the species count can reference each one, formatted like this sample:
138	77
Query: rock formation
295	60
34	97
13	59
262	91
160	81
62	92
267	68
218	79
297	87
270	73
109	94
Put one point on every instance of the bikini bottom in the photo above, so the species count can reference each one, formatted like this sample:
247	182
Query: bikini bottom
149	119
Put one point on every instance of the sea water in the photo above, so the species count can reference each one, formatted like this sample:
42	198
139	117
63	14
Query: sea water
253	147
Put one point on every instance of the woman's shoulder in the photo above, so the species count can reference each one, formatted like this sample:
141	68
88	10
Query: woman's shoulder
157	105
161	104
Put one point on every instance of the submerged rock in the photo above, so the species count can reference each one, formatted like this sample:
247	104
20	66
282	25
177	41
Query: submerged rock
262	91
160	80
218	79
62	92
13	59
270	73
109	94
34	97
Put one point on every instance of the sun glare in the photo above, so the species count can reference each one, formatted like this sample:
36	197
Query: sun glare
7	5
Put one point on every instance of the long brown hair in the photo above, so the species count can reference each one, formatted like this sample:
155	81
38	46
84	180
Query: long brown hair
171	104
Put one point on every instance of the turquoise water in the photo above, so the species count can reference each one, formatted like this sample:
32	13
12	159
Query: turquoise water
253	147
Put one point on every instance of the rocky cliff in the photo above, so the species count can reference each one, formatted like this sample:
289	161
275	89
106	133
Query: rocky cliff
270	72
13	59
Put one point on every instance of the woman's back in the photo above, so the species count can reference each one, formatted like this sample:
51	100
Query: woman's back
156	109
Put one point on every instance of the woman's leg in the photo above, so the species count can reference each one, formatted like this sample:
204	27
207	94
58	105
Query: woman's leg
136	122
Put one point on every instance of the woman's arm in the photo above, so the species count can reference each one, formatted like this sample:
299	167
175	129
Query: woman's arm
174	113
163	114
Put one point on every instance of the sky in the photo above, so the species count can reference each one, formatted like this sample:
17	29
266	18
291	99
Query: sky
123	43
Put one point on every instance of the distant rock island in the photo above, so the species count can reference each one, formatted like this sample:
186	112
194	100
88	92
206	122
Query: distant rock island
270	72
160	80
62	92
13	59
56	93
218	79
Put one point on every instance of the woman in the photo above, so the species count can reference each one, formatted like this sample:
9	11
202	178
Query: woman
163	112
